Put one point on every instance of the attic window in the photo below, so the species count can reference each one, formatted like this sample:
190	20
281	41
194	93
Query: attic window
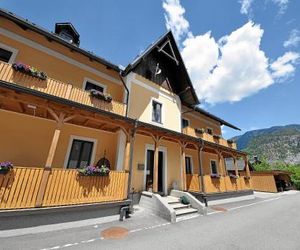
89	84
156	112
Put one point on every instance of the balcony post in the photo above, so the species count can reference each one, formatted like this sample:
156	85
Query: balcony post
183	169
247	166
130	160
235	166
201	173
155	167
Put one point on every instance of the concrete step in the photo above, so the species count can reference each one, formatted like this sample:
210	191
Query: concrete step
187	216
185	211
179	205
171	199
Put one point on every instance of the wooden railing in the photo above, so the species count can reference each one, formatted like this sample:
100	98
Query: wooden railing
207	137
57	88
263	182
19	188
217	185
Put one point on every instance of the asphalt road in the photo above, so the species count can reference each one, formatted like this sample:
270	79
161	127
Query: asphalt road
260	224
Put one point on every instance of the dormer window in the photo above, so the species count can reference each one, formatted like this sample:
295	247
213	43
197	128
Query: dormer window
66	36
67	32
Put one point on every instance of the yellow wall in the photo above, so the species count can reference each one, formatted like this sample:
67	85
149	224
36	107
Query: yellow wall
173	162
26	140
57	68
140	104
198	120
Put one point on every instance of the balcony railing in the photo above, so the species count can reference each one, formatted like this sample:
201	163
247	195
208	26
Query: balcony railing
217	185
207	137
57	88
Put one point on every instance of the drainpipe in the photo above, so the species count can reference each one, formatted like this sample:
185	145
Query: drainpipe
200	157
127	91
132	135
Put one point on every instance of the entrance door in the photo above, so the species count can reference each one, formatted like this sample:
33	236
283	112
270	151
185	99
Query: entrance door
149	170
80	154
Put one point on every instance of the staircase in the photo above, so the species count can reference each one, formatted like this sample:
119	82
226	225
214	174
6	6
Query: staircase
182	211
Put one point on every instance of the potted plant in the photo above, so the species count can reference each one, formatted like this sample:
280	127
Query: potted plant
233	176
199	130
5	167
94	171
217	136
100	95
215	176
31	71
230	141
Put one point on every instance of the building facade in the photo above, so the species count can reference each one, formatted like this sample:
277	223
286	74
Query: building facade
64	107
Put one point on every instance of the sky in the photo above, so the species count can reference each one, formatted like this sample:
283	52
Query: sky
243	56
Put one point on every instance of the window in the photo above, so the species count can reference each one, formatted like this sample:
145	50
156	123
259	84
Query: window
5	55
209	131
156	112
66	36
89	84
188	165
185	123
213	167
80	154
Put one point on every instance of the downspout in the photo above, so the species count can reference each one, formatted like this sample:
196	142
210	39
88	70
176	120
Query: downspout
127	90
132	135
200	154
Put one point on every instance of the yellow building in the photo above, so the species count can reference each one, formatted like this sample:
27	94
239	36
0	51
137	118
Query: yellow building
145	120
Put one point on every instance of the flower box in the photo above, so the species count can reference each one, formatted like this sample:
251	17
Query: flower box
101	96
5	167
199	130
247	177
28	70
233	176
215	176
230	141
94	171
217	137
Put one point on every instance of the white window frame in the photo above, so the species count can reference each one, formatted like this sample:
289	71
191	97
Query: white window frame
210	166
165	167
192	163
162	112
86	79
75	137
12	50
189	122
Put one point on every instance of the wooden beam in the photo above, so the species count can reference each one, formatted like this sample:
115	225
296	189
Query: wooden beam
155	166
42	187
54	142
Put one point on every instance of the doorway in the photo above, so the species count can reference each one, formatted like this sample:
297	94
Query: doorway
149	166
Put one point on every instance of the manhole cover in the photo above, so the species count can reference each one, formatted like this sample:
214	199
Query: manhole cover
114	233
221	209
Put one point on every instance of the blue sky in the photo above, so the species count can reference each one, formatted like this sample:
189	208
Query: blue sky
242	55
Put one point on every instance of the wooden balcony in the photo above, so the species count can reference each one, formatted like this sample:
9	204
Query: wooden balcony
207	137
57	88
217	185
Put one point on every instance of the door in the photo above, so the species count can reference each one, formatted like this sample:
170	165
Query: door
80	154
149	170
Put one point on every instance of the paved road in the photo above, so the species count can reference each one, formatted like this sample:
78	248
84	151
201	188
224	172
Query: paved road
267	224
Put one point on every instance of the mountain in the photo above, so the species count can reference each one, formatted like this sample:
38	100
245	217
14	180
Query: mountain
279	143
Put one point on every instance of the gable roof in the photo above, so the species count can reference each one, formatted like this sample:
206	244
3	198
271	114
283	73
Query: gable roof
185	88
25	24
221	121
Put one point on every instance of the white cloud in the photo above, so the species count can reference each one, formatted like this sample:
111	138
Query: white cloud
293	40
245	6
174	18
284	66
282	4
232	68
